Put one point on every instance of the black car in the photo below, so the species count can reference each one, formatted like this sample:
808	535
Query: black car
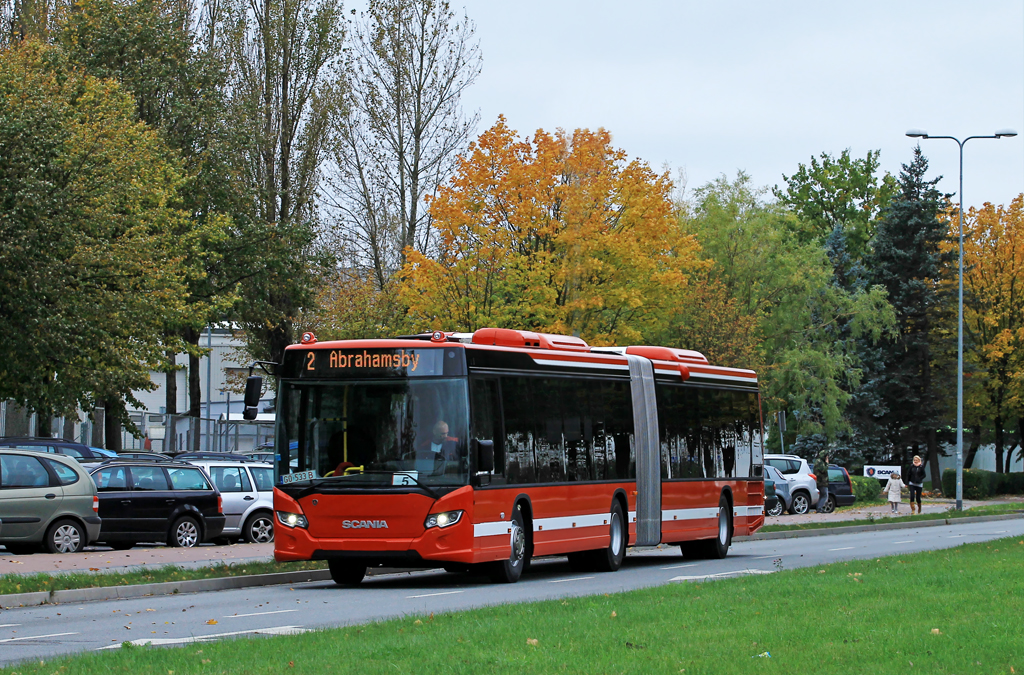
171	502
83	453
840	488
771	500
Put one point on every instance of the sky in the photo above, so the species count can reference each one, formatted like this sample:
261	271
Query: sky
710	88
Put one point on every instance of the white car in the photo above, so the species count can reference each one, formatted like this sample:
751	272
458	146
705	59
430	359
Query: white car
247	490
802	486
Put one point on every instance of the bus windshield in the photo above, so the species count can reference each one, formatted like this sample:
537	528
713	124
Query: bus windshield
384	432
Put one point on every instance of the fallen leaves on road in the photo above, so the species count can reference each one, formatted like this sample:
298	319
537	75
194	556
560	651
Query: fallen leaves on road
211	622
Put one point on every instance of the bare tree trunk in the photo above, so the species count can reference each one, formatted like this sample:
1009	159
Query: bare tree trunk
98	425
933	460
195	398
43	424
975	444
171	404
68	433
112	424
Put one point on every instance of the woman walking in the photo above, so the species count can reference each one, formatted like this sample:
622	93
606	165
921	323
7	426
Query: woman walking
915	480
894	489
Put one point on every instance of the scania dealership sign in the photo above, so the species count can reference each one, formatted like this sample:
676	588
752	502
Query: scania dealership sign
880	472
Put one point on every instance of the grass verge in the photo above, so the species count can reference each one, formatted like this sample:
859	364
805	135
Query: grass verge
17	583
984	510
949	611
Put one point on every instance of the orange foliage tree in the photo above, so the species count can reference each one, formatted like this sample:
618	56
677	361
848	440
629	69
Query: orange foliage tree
994	311
559	233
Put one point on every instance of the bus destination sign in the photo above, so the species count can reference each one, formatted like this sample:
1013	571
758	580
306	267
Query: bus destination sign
344	363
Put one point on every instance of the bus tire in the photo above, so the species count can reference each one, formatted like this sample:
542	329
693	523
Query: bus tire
345	572
610	559
508	571
719	546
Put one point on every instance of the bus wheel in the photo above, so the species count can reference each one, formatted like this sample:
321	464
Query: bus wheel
719	546
610	559
346	573
509	571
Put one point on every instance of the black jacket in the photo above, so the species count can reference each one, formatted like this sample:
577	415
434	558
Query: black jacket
916	475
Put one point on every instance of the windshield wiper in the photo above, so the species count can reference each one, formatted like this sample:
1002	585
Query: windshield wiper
426	488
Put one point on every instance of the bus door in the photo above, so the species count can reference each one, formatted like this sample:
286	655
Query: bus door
648	466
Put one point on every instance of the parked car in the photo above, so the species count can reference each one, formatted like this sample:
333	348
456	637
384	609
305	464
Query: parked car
210	457
151	456
47	501
83	453
267	457
781	484
803	486
771	500
143	501
840	488
248	493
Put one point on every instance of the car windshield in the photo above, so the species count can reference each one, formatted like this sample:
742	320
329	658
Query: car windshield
385	432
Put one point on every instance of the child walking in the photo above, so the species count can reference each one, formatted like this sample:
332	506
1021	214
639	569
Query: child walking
894	488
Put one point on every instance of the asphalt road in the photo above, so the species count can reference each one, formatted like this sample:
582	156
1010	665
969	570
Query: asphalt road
42	632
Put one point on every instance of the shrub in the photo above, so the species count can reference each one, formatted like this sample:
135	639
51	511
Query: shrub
979	484
866	488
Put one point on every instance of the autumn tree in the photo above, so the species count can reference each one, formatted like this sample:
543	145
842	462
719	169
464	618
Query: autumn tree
559	233
785	305
401	128
994	312
91	269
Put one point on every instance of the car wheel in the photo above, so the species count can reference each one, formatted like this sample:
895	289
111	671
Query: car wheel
259	529
65	536
777	509
509	571
184	533
801	504
346	573
830	505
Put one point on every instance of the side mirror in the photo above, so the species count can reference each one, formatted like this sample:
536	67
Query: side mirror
484	451
253	391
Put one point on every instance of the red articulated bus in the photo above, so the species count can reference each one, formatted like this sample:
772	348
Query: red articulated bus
486	450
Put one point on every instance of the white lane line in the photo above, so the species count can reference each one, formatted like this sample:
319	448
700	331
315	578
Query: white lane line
762	557
558	581
844	548
37	637
675	567
431	595
9	625
280	611
274	630
954	536
721	575
905	541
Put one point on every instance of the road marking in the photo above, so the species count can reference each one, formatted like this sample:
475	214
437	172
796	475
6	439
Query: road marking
431	595
675	567
558	581
907	541
280	611
721	575
9	625
844	548
762	557
275	630
37	637
954	536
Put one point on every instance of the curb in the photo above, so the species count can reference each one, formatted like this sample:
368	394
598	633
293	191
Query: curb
851	529
165	588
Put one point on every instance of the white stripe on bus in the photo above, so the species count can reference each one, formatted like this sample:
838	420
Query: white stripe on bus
598	519
731	378
580	364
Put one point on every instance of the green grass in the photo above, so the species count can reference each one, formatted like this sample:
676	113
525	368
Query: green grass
18	583
950	611
985	510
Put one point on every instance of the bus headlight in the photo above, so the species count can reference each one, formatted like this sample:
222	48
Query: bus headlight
443	519
292	519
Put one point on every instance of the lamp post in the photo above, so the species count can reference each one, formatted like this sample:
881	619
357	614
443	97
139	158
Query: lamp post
917	133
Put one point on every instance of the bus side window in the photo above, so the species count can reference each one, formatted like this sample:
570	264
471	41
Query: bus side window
485	405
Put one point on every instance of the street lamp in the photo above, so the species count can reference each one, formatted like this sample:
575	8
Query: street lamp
917	133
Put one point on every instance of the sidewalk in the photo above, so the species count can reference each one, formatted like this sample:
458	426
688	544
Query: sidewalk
134	559
880	512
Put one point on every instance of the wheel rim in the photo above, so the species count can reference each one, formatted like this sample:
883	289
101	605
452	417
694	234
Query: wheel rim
518	540
67	539
617	537
800	504
262	530
187	534
723	526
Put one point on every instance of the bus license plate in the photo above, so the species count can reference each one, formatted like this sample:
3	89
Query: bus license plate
296	477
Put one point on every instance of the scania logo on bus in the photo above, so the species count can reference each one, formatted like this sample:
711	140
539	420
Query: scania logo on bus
361	524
